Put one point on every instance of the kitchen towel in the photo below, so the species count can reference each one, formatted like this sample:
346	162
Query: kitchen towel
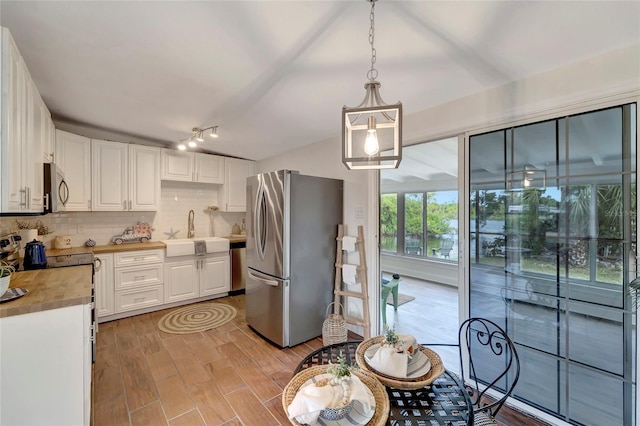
349	273
311	399
348	243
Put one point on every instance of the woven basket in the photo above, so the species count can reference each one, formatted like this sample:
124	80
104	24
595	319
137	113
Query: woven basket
436	370
377	389
334	328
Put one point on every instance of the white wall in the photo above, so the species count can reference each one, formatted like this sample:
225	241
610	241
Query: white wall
604	78
177	198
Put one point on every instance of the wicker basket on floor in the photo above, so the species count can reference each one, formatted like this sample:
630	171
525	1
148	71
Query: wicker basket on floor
334	327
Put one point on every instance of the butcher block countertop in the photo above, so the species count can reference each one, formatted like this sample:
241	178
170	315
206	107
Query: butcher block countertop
49	289
117	248
236	238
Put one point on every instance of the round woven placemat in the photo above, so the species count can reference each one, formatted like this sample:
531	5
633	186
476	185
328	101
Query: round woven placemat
436	370
379	393
196	318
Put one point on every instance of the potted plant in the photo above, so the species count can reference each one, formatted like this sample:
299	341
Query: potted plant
5	276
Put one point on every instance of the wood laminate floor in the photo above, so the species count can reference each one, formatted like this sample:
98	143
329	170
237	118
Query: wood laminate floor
225	376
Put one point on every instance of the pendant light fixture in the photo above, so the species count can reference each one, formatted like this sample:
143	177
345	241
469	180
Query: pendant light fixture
372	131
197	136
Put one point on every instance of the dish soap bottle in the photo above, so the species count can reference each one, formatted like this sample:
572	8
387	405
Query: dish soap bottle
243	231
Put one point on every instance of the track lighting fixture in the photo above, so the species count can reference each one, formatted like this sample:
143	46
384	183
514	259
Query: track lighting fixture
197	135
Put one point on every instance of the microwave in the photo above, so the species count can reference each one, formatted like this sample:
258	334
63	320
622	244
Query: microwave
56	190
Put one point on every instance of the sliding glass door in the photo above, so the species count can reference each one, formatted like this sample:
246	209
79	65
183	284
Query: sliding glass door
552	236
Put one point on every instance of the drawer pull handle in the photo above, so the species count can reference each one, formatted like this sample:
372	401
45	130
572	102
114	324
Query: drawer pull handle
139	277
137	259
139	299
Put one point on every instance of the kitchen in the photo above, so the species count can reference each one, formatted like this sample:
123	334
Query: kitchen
612	73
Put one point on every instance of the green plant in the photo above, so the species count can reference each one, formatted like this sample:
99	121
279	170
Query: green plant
391	337
341	369
6	269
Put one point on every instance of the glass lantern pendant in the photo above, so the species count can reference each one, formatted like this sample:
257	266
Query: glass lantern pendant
372	131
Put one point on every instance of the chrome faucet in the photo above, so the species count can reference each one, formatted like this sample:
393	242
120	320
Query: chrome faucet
192	229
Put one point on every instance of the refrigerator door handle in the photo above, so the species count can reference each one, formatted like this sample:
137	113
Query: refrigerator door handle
260	220
273	283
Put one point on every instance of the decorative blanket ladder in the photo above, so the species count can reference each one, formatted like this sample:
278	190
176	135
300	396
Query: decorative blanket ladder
361	275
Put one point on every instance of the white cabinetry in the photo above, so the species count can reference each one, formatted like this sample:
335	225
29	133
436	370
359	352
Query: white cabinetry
192	167
104	282
138	279
215	274
46	367
73	156
189	277
125	177
233	194
21	140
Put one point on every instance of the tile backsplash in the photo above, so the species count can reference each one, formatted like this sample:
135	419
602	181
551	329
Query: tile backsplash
177	199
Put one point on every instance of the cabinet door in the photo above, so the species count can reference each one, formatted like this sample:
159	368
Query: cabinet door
234	190
13	191
177	165
48	137
144	178
209	168
32	147
52	345
215	275
180	280
109	176
104	281
73	156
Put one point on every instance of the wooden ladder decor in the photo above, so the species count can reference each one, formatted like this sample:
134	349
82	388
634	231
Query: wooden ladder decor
361	268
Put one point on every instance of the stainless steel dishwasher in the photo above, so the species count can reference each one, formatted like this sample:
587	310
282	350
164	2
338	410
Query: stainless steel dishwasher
238	266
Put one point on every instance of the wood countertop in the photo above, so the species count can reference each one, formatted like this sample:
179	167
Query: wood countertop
117	248
49	289
236	238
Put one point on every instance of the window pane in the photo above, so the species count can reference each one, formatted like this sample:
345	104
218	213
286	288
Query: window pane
413	223
389	222
442	224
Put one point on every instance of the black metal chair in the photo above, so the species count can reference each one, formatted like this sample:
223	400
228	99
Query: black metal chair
492	364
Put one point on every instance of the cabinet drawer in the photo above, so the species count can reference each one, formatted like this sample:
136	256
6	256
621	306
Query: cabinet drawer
139	276
129	300
141	257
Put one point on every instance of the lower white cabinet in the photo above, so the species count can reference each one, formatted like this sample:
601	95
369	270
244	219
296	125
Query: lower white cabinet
46	367
189	277
103	280
138	279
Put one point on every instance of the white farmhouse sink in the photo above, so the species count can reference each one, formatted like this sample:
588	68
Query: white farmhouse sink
179	247
186	246
215	244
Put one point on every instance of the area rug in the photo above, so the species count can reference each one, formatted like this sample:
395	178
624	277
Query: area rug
402	299
196	318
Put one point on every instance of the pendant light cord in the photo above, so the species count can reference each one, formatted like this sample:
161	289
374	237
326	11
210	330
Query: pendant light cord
372	74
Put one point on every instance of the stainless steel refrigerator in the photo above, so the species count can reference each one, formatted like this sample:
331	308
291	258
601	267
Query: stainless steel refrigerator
292	224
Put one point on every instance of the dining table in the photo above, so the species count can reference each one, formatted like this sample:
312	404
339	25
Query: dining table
442	402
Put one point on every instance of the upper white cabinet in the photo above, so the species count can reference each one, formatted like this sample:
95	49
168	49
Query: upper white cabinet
192	167
73	156
21	143
233	194
125	177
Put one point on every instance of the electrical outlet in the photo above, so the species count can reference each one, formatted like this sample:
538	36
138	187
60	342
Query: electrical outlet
81	229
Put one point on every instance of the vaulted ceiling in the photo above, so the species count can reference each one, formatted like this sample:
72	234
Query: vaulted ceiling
274	75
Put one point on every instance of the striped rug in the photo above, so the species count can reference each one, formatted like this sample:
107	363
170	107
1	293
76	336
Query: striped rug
196	318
